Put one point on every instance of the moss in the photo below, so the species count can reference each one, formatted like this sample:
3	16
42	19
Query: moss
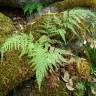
6	27
6	23
84	68
68	4
36	27
79	67
13	70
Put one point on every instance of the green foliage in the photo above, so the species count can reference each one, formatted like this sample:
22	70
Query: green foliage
30	7
80	89
43	56
90	50
90	44
93	88
73	21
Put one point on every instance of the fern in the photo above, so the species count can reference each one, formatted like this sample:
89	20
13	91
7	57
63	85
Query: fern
90	51
80	87
30	7
43	56
75	21
43	60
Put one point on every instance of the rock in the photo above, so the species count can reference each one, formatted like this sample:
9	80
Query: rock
45	11
13	70
30	88
19	3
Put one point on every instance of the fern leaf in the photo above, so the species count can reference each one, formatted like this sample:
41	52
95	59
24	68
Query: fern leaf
16	42
74	20
44	60
31	6
62	33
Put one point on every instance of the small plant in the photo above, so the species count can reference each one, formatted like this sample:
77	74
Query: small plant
30	7
43	57
72	22
80	87
90	50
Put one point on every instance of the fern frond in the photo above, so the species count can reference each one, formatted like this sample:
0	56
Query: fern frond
44	60
13	42
74	21
16	42
43	56
31	6
62	33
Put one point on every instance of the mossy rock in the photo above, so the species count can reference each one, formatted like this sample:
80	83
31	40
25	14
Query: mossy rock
6	27
61	6
13	70
84	68
69	4
36	26
40	26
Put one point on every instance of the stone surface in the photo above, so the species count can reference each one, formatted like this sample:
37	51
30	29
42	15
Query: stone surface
30	88
19	3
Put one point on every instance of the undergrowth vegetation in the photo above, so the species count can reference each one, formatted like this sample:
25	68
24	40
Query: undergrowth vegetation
43	56
31	7
73	22
46	55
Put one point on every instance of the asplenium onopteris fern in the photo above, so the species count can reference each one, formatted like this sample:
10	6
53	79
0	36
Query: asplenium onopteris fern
43	56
